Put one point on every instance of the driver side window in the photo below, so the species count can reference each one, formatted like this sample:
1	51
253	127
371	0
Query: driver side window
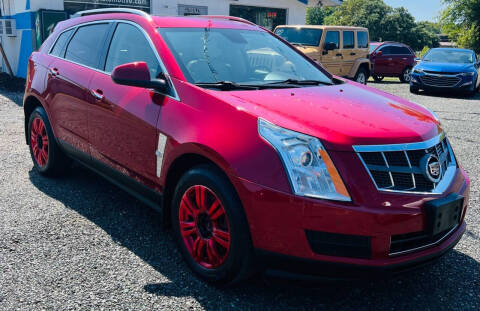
130	45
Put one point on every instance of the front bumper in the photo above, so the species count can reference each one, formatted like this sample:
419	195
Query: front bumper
434	83
280	224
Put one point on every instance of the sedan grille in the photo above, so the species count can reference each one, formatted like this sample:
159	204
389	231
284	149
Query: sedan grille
426	167
440	81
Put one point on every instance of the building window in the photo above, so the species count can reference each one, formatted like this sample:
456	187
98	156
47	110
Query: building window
265	17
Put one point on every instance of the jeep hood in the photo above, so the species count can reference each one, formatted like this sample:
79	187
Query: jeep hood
340	115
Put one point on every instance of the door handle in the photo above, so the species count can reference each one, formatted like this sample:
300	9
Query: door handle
98	94
53	72
404	58
352	54
338	54
390	59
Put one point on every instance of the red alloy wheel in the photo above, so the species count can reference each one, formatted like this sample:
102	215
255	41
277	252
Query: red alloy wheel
204	227
39	141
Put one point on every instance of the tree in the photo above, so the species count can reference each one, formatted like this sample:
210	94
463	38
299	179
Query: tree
461	21
316	15
384	23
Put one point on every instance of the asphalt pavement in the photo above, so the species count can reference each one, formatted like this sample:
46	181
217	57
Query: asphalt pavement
81	243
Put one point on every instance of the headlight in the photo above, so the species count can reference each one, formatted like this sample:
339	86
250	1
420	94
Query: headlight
308	165
417	70
468	74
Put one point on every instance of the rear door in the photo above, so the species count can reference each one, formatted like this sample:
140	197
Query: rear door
77	56
123	118
348	51
332	60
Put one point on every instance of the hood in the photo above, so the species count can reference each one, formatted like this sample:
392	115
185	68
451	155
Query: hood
445	67
341	115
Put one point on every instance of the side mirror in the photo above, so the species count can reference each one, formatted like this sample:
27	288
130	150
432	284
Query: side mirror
379	53
137	74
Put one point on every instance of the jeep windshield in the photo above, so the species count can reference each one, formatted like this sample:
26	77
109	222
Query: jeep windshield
230	59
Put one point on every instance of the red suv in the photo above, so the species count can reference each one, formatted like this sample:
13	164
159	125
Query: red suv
254	154
391	59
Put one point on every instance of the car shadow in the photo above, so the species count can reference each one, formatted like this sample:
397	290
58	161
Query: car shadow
386	82
451	283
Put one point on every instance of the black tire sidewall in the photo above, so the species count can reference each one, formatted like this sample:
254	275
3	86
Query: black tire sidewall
402	79
240	245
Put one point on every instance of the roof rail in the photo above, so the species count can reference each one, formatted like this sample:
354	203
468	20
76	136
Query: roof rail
113	10
226	17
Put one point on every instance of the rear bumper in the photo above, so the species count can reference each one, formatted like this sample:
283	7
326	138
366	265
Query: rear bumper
346	236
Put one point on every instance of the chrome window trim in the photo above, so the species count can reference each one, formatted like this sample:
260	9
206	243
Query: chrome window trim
152	46
440	188
424	246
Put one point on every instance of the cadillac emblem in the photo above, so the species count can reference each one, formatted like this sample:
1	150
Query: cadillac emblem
432	167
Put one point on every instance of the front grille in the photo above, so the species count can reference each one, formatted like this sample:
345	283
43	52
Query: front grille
443	81
442	72
404	243
404	168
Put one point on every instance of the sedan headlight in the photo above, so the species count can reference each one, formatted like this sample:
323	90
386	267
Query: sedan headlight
308	165
417	70
468	74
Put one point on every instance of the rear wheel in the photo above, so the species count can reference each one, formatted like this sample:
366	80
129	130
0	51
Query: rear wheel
361	76
378	78
405	77
47	157
210	227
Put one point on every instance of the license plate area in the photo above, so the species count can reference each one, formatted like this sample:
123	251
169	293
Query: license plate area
444	214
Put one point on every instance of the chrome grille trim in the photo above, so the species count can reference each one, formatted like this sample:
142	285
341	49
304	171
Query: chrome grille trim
440	80
438	145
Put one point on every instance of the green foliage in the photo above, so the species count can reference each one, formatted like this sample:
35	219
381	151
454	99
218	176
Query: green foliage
461	21
423	52
316	15
430	27
385	23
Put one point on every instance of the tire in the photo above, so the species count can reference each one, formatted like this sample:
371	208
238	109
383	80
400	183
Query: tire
47	157
414	89
361	76
405	77
378	78
214	239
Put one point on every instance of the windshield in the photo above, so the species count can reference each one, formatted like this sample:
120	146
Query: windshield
302	36
373	47
210	55
449	56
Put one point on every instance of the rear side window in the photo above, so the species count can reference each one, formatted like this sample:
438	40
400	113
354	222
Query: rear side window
86	45
387	50
333	36
348	41
362	39
59	47
402	50
130	45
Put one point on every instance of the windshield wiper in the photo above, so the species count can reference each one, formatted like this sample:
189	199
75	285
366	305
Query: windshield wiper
226	85
300	82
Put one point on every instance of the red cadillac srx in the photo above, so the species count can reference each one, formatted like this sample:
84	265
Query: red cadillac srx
254	154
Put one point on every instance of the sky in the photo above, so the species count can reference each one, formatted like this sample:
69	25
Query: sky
422	10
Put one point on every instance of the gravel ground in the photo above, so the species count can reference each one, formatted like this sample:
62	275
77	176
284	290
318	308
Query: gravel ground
81	243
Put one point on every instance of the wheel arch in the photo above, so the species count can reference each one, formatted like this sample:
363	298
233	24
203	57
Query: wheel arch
360	63
30	103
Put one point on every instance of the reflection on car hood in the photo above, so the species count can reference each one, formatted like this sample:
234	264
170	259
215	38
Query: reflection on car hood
445	67
340	115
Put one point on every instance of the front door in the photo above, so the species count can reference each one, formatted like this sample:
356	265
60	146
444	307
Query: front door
332	60
123	119
383	62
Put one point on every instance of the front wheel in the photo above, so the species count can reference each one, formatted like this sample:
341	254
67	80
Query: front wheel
361	76
47	157
210	226
406	77
414	89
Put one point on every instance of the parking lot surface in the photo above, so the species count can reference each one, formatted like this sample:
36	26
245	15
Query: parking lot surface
81	243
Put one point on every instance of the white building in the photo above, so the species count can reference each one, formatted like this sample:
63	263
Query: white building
24	24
